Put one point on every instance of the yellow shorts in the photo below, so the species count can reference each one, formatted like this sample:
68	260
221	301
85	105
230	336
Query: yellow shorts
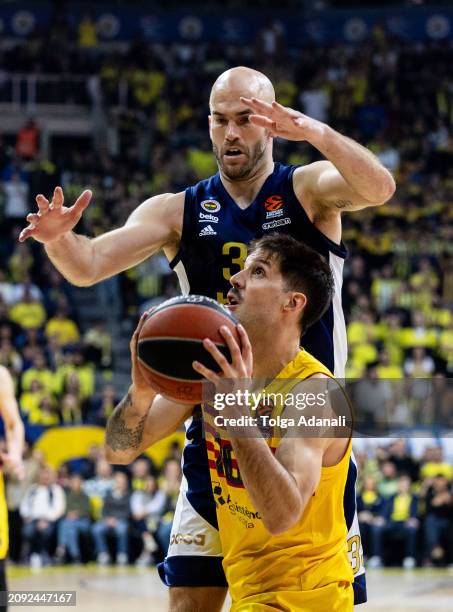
4	542
335	597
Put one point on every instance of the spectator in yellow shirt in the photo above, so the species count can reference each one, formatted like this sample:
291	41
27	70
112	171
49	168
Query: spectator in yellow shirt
28	312
418	334
39	372
435	464
87	33
46	414
385	369
30	400
64	329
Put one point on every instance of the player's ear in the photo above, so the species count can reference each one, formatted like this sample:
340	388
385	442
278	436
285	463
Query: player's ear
296	301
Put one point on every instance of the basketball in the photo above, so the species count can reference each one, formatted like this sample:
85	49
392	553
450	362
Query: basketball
172	338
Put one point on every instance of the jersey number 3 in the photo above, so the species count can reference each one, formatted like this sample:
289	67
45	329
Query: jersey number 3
237	253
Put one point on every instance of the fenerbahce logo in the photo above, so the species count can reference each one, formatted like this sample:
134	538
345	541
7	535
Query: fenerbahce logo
210	206
274	207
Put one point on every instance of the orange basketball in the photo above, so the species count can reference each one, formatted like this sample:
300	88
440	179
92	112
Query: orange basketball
172	338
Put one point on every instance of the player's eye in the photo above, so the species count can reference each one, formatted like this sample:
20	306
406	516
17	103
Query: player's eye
244	120
259	271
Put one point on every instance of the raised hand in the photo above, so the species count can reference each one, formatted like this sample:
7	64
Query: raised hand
284	122
53	219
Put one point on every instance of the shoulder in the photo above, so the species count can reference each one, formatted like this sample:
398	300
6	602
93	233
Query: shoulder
166	205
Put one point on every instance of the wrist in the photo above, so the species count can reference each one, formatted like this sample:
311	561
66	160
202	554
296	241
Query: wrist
142	398
59	242
321	135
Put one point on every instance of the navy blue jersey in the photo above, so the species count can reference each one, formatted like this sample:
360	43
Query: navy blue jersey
215	235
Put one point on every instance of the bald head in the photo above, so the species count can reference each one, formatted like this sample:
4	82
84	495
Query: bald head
241	81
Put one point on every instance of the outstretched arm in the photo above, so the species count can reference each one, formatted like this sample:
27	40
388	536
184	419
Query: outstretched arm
155	224
351	178
142	417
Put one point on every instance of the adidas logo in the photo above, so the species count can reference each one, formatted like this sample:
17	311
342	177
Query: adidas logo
208	231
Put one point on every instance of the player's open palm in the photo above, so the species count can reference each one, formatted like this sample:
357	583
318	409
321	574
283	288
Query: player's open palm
53	219
284	122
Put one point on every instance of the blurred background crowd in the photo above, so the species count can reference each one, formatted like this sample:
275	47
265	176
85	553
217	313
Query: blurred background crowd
67	347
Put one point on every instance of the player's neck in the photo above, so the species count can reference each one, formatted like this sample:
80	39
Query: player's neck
245	191
270	356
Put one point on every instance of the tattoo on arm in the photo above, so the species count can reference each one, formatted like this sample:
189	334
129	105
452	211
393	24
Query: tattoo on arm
120	437
343	204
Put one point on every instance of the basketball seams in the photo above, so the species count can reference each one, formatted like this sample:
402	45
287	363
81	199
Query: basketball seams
216	307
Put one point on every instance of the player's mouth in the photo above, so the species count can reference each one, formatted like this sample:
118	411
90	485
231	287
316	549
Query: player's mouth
234	154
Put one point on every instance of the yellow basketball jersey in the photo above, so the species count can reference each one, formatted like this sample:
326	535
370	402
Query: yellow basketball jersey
309	558
4	542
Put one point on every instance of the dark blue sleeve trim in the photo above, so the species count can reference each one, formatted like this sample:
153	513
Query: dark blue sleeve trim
359	587
185	226
192	571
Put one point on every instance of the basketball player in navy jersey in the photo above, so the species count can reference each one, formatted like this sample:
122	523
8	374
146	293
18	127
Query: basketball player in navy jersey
204	232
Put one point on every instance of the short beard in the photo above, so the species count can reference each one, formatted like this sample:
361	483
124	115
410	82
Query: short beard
238	173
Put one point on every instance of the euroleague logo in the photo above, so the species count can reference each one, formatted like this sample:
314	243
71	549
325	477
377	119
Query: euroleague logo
210	206
274	206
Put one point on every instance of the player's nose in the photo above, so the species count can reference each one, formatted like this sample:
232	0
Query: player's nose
238	280
232	131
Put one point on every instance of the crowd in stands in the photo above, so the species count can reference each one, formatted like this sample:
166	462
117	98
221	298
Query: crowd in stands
394	97
92	511
405	506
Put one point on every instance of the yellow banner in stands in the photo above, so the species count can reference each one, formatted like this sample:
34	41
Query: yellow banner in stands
61	444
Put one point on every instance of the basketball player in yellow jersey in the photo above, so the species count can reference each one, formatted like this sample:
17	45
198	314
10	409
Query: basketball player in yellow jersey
279	500
11	460
282	528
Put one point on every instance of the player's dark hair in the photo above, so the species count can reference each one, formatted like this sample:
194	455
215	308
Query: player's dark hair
304	270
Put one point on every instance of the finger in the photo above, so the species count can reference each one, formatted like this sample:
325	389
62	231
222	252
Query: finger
260	105
135	335
206	372
218	356
32	218
82	201
247	354
263	121
141	322
58	198
284	110
233	347
27	232
42	202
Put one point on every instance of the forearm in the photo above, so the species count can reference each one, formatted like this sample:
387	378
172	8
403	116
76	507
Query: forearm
73	256
268	483
361	170
125	427
15	438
